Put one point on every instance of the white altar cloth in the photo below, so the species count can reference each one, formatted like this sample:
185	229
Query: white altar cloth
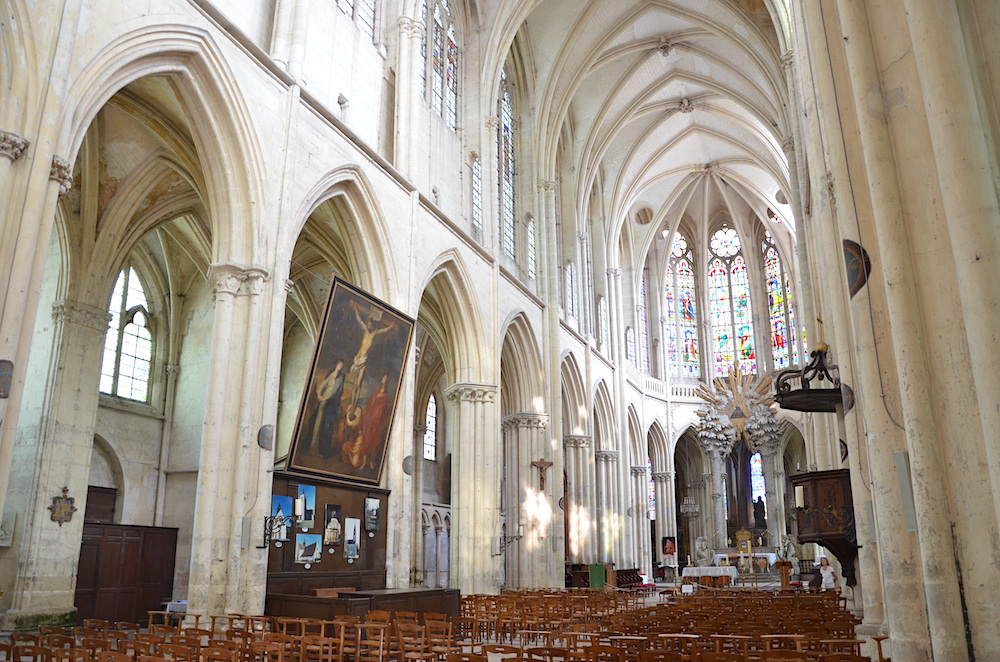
734	558
710	571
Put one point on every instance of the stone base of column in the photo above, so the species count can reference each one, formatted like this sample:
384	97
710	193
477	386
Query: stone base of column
29	620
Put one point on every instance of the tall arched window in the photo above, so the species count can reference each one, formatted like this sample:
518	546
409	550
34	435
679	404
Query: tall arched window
570	289
477	197
779	303
603	323
643	326
630	346
682	321
729	296
128	346
505	168
532	259
756	478
440	49
362	12
430	429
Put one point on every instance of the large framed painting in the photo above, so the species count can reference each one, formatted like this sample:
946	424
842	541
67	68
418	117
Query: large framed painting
352	389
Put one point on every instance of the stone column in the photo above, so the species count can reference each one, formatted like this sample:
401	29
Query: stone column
666	508
55	442
417	564
580	507
605	510
429	561
409	42
640	523
717	437
26	222
475	467
533	493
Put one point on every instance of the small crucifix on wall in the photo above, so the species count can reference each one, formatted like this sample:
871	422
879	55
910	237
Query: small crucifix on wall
542	465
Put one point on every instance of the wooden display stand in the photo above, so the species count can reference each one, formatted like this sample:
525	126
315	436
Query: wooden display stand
785	568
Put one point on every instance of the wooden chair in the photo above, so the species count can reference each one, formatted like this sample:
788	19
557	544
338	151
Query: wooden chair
465	657
111	656
95	645
411	641
503	650
547	653
785	655
440	638
24	638
879	638
69	655
96	623
128	626
466	633
51	629
6	652
151	658
177	652
410	616
217	655
58	641
433	616
371	642
721	657
844	657
134	648
30	653
659	655
604	654
201	634
262	651
378	616
152	639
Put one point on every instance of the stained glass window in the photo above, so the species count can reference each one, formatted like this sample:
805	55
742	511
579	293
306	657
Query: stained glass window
682	320
532	263
439	47
779	303
650	490
729	304
430	429
477	197
505	168
128	345
756	478
643	326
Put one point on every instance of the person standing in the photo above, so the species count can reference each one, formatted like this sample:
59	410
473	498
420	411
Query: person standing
828	576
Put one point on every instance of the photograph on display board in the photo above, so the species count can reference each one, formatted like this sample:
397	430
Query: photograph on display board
352	388
332	530
282	508
352	538
308	548
371	514
308	493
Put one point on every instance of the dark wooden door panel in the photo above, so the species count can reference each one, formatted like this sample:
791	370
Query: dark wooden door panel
124	571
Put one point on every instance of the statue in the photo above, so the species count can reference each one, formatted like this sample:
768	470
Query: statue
703	554
787	553
758	513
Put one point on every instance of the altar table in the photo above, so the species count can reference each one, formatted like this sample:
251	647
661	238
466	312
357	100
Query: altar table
710	571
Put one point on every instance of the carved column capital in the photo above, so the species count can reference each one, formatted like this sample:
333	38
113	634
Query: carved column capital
576	441
412	28
492	122
471	393
225	278
81	314
638	470
606	455
787	59
254	279
546	185
419	430
12	145
615	272
525	420
663	476
61	172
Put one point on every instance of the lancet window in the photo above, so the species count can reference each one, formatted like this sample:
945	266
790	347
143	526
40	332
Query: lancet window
440	49
680	297
505	168
362	12
430	429
729	301
128	345
643	324
780	310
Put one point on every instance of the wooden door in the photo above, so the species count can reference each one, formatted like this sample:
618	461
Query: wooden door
124	571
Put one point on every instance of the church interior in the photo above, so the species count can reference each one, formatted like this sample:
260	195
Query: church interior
470	297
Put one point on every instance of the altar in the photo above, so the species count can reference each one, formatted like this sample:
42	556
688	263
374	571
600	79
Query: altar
732	558
711	571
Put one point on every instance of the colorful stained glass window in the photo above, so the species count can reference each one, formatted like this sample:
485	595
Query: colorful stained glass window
532	261
505	167
682	319
430	429
128	345
779	304
729	304
650	490
756	477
